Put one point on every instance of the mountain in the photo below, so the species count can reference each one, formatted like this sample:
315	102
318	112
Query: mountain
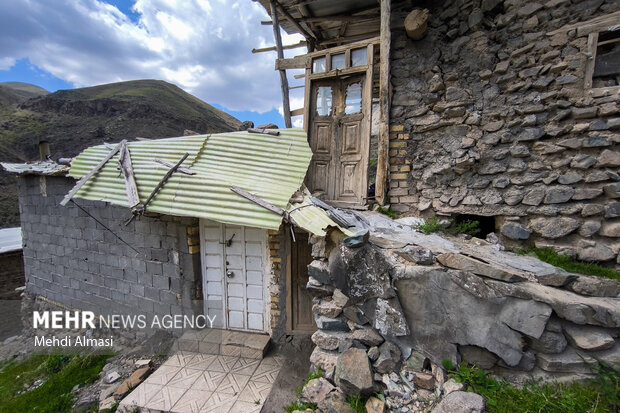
71	120
25	89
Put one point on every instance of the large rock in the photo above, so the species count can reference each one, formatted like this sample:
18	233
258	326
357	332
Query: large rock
478	356
353	373
367	273
515	231
332	340
572	361
526	316
389	358
549	342
316	390
389	318
335	402
464	263
326	360
588	338
554	228
596	252
595	286
461	402
558	195
374	405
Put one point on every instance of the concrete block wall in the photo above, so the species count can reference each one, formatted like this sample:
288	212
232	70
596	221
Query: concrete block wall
278	254
11	275
72	259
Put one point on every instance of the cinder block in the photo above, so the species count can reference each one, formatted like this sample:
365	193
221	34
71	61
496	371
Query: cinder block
154	268
161	282
137	290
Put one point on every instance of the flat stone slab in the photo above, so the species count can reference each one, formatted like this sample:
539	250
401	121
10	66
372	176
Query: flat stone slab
224	342
575	361
588	338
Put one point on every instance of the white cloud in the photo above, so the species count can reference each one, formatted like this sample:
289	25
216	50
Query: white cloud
204	46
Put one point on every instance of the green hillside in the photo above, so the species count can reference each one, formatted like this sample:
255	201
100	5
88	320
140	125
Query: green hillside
25	89
71	120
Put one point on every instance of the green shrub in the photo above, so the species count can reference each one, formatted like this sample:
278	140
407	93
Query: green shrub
56	362
297	405
387	211
549	255
433	224
358	403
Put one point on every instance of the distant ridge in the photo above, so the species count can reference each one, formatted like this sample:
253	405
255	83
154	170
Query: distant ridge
71	120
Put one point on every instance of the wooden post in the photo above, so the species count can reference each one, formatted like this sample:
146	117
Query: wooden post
384	103
44	150
286	107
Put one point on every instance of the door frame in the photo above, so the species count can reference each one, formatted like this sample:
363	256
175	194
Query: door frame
265	277
289	287
367	73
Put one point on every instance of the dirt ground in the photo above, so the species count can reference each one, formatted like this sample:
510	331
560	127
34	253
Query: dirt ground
293	374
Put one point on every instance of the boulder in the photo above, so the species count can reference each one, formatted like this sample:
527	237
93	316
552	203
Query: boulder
588	338
515	231
327	308
460	402
389	358
478	356
465	263
554	228
353	372
326	360
526	316
368	274
316	390
549	342
595	286
389	318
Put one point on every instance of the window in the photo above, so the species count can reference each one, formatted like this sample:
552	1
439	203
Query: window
358	57
607	61
353	100
338	61
318	65
324	101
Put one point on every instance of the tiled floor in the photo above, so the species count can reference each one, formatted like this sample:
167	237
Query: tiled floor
192	382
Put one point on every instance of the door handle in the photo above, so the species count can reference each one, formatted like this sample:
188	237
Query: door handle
230	274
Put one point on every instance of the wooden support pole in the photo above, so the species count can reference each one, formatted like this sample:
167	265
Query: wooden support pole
306	33
182	169
92	172
126	168
273	132
286	107
302	43
384	103
258	201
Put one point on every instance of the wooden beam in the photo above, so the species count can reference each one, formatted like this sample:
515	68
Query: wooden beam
384	103
297	62
266	22
302	43
181	169
339	18
264	131
307	33
286	107
591	59
126	167
338	40
90	174
258	201
161	183
297	112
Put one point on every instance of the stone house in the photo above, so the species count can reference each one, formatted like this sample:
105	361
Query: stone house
502	111
195	225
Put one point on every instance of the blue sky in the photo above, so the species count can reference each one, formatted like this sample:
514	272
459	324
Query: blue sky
203	46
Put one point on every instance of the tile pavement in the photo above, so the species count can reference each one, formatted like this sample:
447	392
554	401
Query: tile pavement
195	382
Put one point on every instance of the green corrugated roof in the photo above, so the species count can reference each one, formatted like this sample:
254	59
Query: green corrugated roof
312	218
270	167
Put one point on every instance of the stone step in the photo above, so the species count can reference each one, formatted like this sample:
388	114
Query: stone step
224	342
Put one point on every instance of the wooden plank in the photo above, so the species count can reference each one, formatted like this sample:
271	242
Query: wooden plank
286	107
130	180
591	59
181	169
592	25
90	174
273	132
352	38
308	34
258	201
307	94
367	123
608	64
297	62
340	72
384	103
302	43
340	49
297	112
161	184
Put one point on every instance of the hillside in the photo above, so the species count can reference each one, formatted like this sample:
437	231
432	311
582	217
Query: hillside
71	120
25	89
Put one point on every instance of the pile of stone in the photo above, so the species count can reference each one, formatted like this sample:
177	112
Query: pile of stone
406	296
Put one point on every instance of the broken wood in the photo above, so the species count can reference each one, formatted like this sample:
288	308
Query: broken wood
181	169
126	168
286	108
161	183
258	201
273	132
302	43
90	174
297	62
297	112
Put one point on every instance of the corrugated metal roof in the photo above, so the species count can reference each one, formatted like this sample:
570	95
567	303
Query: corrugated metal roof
312	218
10	240
270	167
49	168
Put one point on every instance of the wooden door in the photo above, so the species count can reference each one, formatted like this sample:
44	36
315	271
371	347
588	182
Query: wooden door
234	280
301	300
340	140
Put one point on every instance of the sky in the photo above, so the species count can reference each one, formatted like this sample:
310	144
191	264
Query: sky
202	46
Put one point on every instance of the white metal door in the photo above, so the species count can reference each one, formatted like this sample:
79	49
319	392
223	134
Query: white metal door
234	282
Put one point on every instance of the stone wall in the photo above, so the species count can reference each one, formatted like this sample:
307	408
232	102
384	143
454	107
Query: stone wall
490	117
11	275
408	301
72	259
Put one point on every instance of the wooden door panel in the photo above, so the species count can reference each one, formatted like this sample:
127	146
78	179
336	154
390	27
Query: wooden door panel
322	143
301	312
351	139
